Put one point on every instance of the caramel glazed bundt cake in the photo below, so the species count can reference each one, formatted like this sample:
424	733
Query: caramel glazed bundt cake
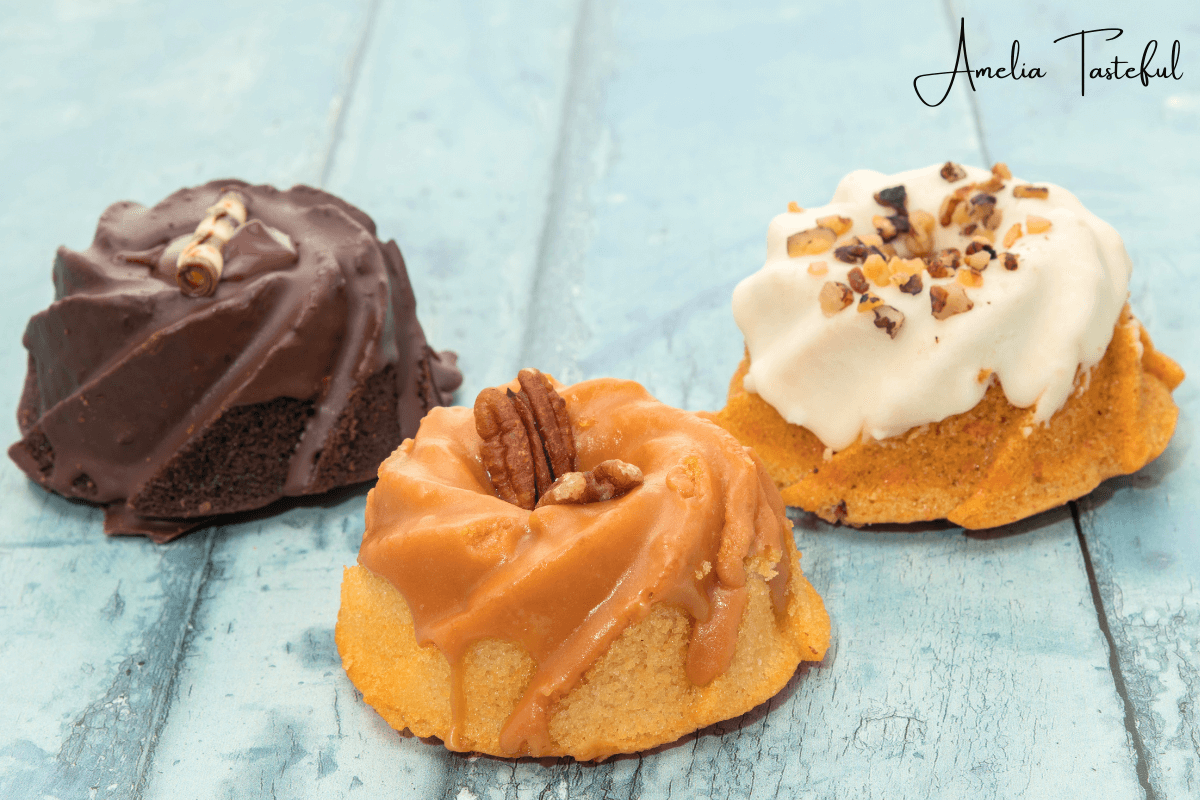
583	574
230	346
945	343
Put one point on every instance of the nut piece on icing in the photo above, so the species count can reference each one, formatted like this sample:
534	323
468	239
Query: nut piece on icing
857	280
945	262
953	172
834	297
839	225
868	302
810	242
606	481
506	452
889	319
1037	224
1026	190
948	300
527	438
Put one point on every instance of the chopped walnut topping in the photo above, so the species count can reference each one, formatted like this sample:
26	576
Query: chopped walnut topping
608	480
834	297
868	302
889	319
886	226
794	207
946	212
920	239
818	268
1013	234
953	172
922	221
981	206
900	269
851	253
970	276
961	214
993	220
876	269
945	262
810	242
894	197
913	285
991	185
981	233
839	225
1036	192
1037	224
978	260
946	301
1010	261
977	245
858	281
1000	170
871	240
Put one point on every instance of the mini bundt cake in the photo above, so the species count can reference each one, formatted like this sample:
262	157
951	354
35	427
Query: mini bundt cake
945	343
579	574
230	346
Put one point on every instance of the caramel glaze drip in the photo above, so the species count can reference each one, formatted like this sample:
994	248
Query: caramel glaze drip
565	581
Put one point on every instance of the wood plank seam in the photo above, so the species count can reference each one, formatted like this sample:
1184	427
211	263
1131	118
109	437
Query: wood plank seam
183	637
1114	659
952	18
346	95
576	133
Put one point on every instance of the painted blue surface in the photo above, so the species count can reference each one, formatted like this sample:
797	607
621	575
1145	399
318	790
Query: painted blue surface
578	186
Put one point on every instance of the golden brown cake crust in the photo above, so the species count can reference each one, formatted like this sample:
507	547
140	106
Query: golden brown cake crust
635	696
986	467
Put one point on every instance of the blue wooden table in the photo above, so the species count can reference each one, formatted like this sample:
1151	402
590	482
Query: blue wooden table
578	186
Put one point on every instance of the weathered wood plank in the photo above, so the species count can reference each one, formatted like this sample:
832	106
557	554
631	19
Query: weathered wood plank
105	102
1128	152
449	144
711	121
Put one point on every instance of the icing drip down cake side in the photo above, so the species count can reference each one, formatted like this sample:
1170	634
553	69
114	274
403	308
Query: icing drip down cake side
171	390
947	342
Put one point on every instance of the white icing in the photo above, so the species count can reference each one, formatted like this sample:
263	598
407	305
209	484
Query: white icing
841	377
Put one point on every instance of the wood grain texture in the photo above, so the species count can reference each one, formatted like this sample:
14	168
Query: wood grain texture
1128	152
107	101
578	186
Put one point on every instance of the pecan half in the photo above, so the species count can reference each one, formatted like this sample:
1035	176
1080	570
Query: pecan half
541	470
506	452
606	481
553	424
527	438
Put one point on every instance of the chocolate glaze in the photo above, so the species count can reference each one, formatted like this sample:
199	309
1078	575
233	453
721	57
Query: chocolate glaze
131	384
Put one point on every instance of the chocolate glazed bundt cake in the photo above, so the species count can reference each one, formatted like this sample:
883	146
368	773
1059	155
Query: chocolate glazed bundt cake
230	346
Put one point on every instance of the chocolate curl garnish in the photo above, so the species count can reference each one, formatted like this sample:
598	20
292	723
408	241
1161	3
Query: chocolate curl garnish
199	267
